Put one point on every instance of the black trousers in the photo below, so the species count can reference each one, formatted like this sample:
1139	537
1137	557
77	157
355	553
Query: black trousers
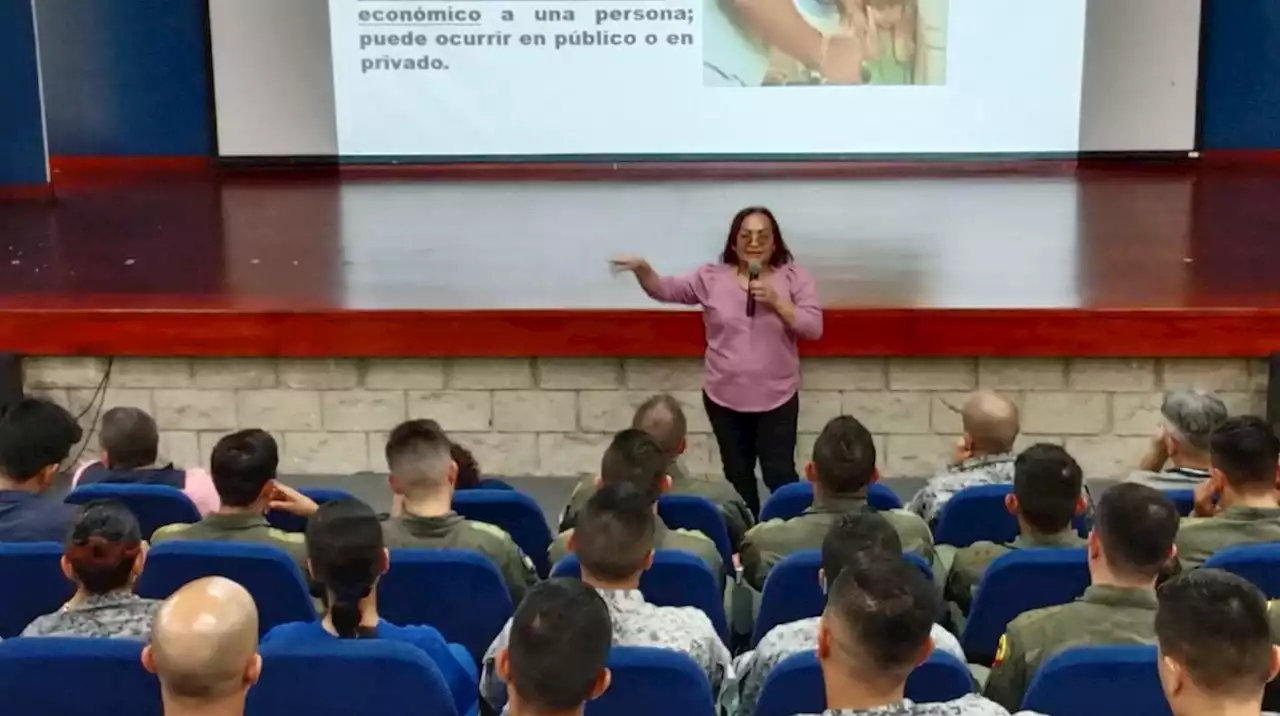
743	438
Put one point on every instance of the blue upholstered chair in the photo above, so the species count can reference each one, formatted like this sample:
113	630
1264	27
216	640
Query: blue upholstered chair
790	500
515	512
1098	681
677	579
76	677
795	686
1018	582
154	505
650	681
36	566
691	512
270	575
1258	563
793	592
349	678
459	592
978	513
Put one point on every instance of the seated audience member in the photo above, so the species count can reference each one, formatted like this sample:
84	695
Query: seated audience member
984	453
1237	504
663	419
204	649
35	437
874	632
1046	497
346	556
554	662
850	544
1131	542
243	465
469	476
1216	655
633	458
423	475
1179	454
843	467
130	443
614	541
104	557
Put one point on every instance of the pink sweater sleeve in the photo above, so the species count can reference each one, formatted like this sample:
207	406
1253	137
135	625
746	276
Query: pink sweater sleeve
804	294
678	289
201	491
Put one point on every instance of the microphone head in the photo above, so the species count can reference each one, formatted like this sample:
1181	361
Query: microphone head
753	269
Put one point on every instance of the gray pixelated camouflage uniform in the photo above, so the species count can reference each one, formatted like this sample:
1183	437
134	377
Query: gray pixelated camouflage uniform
636	623
972	705
983	470
118	615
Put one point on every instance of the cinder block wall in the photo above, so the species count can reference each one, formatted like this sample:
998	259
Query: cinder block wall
553	417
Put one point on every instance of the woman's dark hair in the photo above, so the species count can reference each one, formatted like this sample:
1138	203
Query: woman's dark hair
468	468
103	546
781	254
346	547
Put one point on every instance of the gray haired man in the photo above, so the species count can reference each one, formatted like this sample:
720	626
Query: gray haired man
1178	457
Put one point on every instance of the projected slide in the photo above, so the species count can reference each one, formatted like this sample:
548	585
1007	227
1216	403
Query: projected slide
569	78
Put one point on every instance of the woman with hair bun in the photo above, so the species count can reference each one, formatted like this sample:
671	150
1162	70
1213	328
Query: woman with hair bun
103	558
347	555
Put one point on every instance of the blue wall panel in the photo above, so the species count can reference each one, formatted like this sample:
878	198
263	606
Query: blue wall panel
1240	106
125	77
22	159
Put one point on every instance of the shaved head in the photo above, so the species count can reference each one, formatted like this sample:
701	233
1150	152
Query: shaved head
990	422
204	641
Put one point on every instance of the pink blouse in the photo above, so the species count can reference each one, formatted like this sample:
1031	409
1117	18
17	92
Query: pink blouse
753	365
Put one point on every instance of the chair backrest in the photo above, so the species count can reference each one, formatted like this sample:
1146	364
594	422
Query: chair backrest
76	677
270	575
649	681
494	483
1017	582
1185	500
459	592
693	512
795	686
1093	680
290	522
677	579
34	585
515	512
154	505
790	500
349	678
793	592
1259	563
978	513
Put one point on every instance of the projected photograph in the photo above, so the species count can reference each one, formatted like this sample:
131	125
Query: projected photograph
788	43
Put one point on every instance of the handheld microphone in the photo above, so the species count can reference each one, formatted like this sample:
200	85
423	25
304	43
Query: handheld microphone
753	274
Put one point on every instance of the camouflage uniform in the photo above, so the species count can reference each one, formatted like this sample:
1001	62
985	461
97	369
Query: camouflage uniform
769	542
1104	615
972	562
453	531
119	615
237	527
971	705
637	623
1175	478
784	640
981	470
690	541
737	516
1200	537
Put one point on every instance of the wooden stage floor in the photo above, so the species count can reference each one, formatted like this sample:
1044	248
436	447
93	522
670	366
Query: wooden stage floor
1120	262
